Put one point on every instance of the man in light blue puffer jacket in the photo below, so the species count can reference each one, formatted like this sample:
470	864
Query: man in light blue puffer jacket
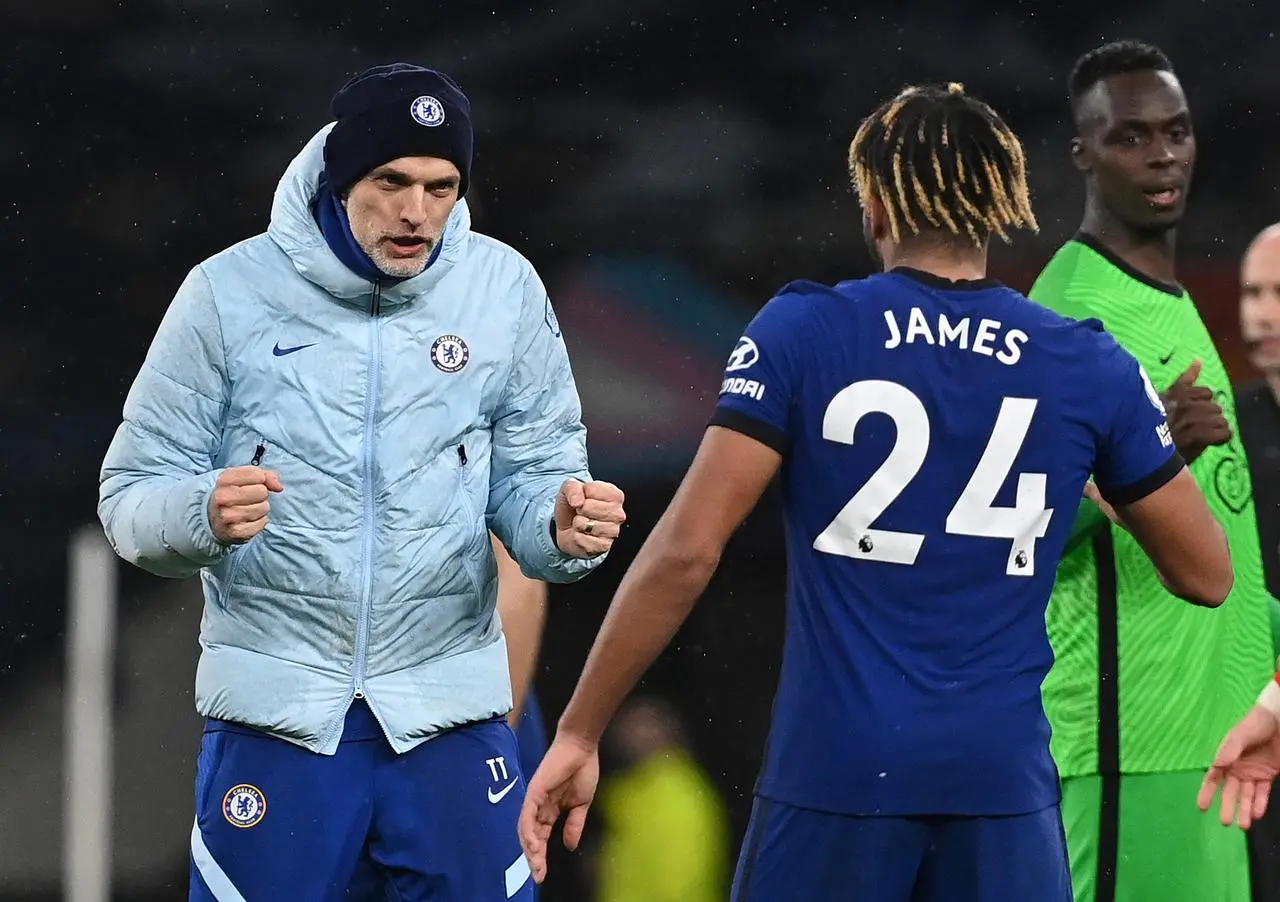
329	421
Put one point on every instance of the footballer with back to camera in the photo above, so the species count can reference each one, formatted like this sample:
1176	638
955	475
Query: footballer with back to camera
934	431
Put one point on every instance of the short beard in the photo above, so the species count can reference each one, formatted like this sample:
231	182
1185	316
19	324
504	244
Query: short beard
399	268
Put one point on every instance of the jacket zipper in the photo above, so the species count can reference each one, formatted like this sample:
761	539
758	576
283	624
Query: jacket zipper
370	519
366	592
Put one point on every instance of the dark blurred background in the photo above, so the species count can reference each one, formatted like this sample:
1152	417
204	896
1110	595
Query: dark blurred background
665	165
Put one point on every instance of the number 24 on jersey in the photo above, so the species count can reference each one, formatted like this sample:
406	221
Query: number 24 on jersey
974	513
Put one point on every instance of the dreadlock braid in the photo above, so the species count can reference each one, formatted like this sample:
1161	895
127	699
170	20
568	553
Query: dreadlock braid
939	158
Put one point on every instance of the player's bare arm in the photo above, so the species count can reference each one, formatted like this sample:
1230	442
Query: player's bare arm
728	475
1184	540
726	480
522	607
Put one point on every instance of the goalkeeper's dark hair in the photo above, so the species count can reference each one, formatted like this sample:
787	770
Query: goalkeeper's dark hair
941	160
1116	58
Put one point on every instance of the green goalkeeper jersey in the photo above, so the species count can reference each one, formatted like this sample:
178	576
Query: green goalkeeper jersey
1144	682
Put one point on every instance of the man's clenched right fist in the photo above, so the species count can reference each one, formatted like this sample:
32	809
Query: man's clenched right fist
238	507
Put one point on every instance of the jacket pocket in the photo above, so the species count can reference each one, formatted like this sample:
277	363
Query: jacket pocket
240	552
238	558
462	499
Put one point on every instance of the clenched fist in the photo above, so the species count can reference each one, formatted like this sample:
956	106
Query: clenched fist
588	517
238	507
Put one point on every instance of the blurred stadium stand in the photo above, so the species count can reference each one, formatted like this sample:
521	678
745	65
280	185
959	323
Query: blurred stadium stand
665	165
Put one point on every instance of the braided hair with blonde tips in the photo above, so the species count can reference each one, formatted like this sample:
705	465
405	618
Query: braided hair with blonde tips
942	161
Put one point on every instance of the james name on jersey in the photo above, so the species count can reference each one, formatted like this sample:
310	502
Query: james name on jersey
945	333
986	337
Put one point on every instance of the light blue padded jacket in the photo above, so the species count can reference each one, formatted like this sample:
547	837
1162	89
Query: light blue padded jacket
402	420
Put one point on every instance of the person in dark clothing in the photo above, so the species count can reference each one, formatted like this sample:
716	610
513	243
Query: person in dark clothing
1258	418
1258	404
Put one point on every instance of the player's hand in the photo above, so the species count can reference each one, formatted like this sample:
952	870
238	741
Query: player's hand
565	781
1195	419
588	517
238	507
1247	764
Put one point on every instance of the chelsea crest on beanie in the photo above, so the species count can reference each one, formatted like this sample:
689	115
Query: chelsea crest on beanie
392	111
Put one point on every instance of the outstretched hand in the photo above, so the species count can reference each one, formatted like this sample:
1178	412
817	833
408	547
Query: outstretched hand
565	781
1246	766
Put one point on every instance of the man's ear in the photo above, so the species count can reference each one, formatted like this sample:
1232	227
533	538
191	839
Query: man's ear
877	225
1080	154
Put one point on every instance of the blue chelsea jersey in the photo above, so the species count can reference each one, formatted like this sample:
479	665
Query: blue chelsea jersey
936	439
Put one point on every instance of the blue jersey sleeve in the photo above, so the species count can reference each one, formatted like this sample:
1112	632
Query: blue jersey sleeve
1136	454
761	377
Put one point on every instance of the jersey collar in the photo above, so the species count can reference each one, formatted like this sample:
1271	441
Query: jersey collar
933	281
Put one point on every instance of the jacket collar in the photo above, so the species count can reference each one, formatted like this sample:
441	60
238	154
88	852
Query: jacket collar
294	230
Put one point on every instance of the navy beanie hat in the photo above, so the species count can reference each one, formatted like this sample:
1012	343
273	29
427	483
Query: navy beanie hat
392	111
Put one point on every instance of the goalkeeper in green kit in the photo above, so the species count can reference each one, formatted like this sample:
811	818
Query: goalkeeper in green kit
1144	687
